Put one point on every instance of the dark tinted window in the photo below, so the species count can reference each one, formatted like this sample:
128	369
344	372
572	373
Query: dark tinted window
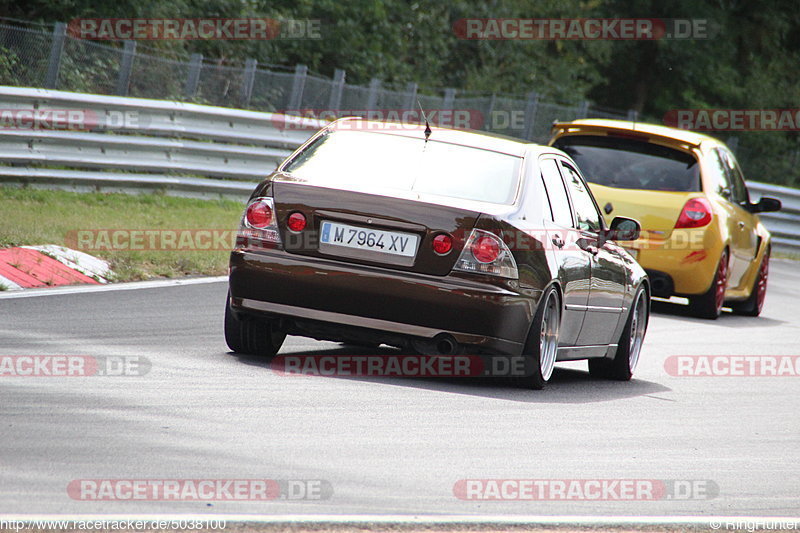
556	193
585	211
632	164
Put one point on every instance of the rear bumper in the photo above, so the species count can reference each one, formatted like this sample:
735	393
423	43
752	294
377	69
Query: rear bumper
387	304
688	258
661	283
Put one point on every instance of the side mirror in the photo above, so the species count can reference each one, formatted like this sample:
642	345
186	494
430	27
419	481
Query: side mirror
623	229
765	205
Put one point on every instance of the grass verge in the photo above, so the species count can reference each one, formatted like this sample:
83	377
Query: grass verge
35	216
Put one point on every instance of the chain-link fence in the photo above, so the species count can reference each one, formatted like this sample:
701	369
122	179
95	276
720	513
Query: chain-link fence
53	59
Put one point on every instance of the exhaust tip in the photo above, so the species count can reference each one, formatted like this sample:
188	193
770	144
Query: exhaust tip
445	344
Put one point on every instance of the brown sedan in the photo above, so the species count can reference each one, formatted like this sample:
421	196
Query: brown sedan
443	242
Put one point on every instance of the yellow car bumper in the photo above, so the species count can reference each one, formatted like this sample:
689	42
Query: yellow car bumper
684	263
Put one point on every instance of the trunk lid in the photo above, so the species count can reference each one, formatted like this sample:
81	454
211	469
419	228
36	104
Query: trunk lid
398	221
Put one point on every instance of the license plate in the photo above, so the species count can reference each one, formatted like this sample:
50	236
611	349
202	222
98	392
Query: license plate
375	240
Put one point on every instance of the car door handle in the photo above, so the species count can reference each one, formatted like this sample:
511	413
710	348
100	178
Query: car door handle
558	242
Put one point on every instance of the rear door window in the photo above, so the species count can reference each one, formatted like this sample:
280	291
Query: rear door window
586	214
556	193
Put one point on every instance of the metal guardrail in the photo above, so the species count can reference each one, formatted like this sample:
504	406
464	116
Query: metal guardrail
784	224
144	140
232	148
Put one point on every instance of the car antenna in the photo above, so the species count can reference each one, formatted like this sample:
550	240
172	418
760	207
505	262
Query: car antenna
428	130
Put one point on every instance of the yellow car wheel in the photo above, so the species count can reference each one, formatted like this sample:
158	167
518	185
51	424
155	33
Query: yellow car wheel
755	303
709	304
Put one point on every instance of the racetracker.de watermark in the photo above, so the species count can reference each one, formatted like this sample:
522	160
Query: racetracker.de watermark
386	119
734	119
518	240
166	490
497	120
732	365
69	119
150	239
584	489
403	366
58	366
260	29
585	29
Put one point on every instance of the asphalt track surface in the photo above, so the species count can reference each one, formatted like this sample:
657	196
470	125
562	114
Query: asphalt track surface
387	446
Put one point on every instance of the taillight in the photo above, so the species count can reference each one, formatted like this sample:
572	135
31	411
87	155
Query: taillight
486	253
296	221
259	223
259	214
695	214
485	249
442	244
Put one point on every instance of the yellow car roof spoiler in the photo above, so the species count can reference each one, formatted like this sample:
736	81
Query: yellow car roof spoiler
649	132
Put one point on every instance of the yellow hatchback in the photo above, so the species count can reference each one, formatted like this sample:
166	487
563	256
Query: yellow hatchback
701	235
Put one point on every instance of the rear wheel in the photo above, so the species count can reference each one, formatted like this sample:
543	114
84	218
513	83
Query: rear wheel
252	336
622	367
755	303
709	305
541	346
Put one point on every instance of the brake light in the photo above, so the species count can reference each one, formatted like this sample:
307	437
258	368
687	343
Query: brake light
259	214
696	213
258	224
485	249
296	221
486	253
442	244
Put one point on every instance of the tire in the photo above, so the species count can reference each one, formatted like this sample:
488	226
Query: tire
622	367
251	336
755	302
541	346
709	305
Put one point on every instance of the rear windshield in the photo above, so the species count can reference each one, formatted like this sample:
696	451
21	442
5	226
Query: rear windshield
632	164
364	161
